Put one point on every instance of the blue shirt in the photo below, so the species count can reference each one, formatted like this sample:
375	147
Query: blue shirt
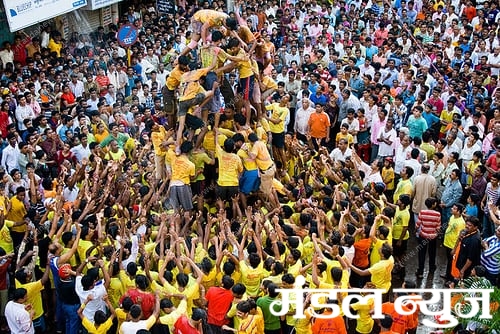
322	99
417	126
430	118
452	192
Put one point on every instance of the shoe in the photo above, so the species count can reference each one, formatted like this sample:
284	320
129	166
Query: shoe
419	275
444	276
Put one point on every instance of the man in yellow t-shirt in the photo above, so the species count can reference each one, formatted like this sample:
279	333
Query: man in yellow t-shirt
230	168
249	180
192	94
24	279
172	83
381	272
159	137
279	113
202	21
16	214
246	72
183	170
451	235
267	168
400	234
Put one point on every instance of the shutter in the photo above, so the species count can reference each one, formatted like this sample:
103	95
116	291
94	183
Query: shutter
84	21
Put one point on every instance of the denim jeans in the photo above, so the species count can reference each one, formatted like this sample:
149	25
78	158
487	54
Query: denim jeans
73	322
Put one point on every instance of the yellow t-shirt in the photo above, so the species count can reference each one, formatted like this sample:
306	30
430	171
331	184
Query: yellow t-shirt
174	78
127	282
245	68
364	324
347	136
182	169
388	174
251	278
83	246
382	273
375	254
157	138
102	329
190	90
278	113
453	231
115	291
404	187
16	214
446	116
229	168
55	47
263	158
72	260
248	163
269	83
200	159
34	290
213	17
192	292
171	318
401	220
5	238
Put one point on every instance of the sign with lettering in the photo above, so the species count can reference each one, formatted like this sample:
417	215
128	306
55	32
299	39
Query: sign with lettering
166	6
25	13
127	35
97	4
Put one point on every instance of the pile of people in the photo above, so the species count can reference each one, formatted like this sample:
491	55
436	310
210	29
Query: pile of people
177	191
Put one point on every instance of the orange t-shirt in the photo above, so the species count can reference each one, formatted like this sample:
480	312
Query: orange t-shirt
329	326
362	250
400	323
319	124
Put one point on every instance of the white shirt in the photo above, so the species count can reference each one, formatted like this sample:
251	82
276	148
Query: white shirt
131	327
302	120
81	152
23	113
385	150
400	157
416	166
77	88
97	303
10	158
18	318
494	60
337	154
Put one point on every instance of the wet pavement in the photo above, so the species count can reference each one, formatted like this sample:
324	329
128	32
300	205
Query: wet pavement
429	281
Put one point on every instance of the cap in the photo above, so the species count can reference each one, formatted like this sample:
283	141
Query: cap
390	159
65	271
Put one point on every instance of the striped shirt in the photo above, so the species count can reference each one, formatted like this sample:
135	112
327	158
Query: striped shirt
490	258
429	222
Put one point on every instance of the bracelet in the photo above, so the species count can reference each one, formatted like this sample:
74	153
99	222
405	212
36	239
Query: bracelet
83	306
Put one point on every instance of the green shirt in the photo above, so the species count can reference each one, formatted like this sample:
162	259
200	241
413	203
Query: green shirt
271	322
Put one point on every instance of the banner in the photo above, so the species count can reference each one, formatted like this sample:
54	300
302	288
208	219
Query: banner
97	4
24	13
166	6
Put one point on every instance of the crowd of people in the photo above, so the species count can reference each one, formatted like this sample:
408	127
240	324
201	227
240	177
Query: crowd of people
176	187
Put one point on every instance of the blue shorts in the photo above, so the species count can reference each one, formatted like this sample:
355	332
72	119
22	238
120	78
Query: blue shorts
245	88
249	181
